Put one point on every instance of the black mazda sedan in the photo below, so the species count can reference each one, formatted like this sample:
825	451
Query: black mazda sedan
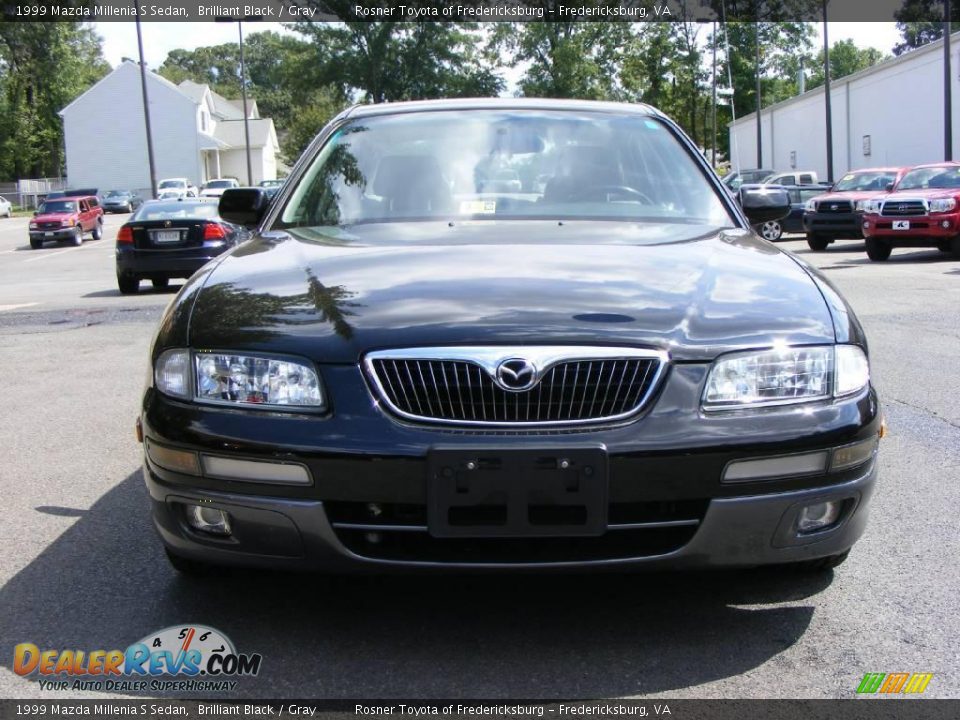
412	365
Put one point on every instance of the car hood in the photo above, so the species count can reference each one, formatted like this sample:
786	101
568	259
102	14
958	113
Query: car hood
925	193
851	195
54	217
333	297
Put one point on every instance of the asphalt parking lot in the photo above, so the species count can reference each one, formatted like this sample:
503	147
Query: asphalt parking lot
81	567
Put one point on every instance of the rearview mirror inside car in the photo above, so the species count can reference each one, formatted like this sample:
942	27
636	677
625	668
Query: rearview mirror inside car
889	187
762	203
244	206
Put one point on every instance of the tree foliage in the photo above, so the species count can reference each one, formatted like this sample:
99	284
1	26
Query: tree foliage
43	67
921	22
845	59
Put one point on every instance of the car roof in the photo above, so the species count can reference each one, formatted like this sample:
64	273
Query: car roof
74	197
943	163
498	104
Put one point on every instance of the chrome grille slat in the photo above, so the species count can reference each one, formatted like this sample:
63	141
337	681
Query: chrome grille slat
460	390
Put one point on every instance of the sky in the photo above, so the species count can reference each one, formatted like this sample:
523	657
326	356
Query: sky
159	38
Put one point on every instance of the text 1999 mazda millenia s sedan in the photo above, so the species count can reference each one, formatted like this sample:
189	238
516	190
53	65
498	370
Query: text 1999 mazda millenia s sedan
416	365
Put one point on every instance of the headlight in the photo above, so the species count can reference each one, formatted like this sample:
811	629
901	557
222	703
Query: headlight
242	380
33	225
810	206
784	376
942	205
860	205
869	206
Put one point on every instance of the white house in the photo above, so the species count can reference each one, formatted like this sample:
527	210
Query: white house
197	134
888	115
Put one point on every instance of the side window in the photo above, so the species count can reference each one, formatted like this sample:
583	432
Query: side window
83	206
785	180
94	203
806	179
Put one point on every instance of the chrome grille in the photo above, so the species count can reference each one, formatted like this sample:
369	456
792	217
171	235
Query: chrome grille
593	385
902	208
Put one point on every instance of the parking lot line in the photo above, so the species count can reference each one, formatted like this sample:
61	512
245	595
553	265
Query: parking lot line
50	255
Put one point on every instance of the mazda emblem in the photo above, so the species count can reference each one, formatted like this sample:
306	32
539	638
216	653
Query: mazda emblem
516	374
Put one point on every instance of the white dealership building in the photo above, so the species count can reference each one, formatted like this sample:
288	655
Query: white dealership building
888	115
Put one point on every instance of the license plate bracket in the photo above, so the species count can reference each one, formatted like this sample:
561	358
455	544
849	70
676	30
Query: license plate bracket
476	493
165	236
901	224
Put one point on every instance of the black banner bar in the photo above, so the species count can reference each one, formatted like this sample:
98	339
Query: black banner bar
473	10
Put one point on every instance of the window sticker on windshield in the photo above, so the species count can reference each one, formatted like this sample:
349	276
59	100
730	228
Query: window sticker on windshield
848	176
478	207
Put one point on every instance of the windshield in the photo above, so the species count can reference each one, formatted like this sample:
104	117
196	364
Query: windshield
172	184
945	176
503	164
117	194
875	180
58	207
220	183
175	211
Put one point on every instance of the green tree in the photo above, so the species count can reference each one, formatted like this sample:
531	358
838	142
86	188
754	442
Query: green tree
392	61
43	68
845	59
567	59
921	22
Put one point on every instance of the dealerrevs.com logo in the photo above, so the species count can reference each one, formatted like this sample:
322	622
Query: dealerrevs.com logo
200	658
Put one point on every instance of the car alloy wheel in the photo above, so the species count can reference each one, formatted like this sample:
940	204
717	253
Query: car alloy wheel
771	230
78	235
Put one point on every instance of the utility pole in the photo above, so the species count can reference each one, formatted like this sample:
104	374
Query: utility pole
826	95
146	107
713	123
243	87
759	130
947	89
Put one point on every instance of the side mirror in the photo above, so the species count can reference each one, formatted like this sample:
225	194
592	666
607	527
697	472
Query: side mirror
762	203
244	206
888	187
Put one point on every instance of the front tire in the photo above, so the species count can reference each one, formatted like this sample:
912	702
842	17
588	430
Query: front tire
817	243
955	247
36	244
128	284
192	568
820	564
771	230
78	235
160	283
878	250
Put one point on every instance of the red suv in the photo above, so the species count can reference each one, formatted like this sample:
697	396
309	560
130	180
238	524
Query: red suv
923	211
67	218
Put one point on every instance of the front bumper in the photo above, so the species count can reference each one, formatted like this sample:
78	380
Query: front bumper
845	226
924	230
66	233
665	492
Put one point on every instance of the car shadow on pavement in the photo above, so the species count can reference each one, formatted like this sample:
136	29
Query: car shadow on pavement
145	289
104	584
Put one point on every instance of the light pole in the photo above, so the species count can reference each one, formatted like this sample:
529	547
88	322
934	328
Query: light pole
243	87
146	106
826	95
759	130
713	123
947	90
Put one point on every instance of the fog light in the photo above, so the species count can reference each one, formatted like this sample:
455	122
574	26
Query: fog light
813	463
181	461
945	224
818	517
208	519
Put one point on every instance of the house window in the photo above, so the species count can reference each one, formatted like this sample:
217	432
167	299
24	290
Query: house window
203	121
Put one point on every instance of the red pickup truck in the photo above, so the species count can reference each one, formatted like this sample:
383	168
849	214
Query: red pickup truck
66	218
922	211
